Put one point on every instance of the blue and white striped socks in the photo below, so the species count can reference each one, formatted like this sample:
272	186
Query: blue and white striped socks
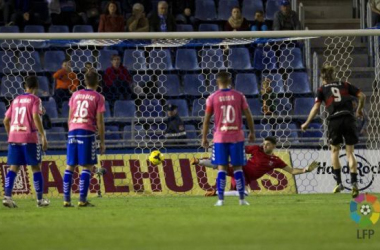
38	182
221	183
84	184
9	182
240	183
67	183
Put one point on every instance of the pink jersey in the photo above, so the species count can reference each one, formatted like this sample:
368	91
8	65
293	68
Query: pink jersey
227	105
23	129
84	105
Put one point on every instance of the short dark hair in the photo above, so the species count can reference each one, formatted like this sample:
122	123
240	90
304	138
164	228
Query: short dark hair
66	60
31	82
114	56
91	79
223	76
260	12
271	139
106	11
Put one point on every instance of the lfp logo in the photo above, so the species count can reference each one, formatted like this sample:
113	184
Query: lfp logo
365	210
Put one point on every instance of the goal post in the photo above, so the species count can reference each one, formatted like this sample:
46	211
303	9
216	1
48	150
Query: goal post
179	69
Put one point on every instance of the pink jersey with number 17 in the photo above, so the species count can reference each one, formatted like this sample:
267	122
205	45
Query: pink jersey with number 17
84	105
227	105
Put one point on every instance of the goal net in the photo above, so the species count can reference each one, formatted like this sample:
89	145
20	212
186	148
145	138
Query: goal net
150	81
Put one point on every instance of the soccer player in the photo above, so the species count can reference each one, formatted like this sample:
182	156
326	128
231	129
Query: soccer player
26	137
228	106
85	118
337	97
261	162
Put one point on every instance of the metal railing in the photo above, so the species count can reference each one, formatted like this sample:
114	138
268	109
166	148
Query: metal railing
301	15
315	72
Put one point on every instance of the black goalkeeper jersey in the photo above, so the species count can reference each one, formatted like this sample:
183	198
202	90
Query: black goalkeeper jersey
337	97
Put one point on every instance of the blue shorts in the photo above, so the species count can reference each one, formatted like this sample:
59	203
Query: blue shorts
24	154
223	151
81	148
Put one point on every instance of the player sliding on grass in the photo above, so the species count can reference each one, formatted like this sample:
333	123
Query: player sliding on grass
337	97
227	106
262	161
26	136
85	117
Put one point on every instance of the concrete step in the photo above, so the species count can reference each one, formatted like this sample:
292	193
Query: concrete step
332	24
328	12
318	44
358	60
327	3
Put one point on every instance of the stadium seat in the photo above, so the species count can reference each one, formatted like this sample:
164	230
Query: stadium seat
3	134
59	29
56	134
11	86
3	109
79	57
105	58
225	8
53	60
8	62
314	131
34	29
134	59
212	59
240	59
151	108
185	28
287	131
183	110
112	133
283	106
83	29
186	59
303	105
277	83
191	133
249	8
205	10
263	131
44	86
199	106
65	110
160	60
127	133
194	85
124	109
264	60
272	7
51	108
291	59
247	84
255	106
9	29
208	27
169	85
298	83
29	61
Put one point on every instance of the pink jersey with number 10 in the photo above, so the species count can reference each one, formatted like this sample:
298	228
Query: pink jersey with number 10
227	105
84	105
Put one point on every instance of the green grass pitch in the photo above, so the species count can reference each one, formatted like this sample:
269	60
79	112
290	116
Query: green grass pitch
284	222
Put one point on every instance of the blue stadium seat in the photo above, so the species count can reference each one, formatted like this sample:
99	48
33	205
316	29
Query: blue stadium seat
205	10
30	62
249	8
83	29
105	58
287	131
169	85
155	132
151	108
142	80
283	106
79	57
44	86
212	59
3	134
8	62
314	131
124	109
277	83
53	60
183	110
263	131
186	59
272	7
191	133
264	60
3	109
291	58
112	133
56	134
225	8
9	29
194	85
240	59
298	83
199	106
134	59
185	28
59	29
255	106
34	29
65	110
11	86
208	27
247	84
160	60
303	105
10	44
127	133
50	107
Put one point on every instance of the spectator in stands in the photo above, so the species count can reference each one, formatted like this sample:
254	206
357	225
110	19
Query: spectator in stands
111	20
375	8
89	10
361	123
67	82
184	11
175	128
267	97
236	22
162	21
138	21
88	67
128	5
22	14
63	12
117	82
5	10
259	22
286	18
